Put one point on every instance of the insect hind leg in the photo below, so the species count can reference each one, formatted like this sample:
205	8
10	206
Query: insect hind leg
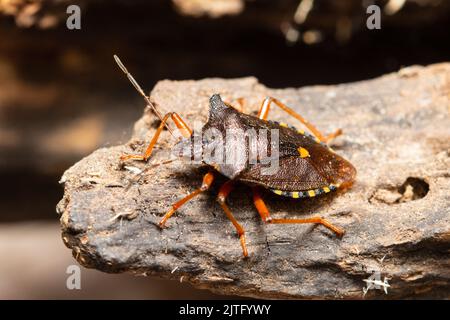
265	215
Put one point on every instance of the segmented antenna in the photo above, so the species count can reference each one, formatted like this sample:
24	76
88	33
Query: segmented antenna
141	92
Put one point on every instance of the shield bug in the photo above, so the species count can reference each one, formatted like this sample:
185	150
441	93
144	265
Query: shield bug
306	165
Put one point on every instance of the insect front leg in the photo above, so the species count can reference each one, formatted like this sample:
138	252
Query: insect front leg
265	215
224	191
206	184
264	112
181	125
179	122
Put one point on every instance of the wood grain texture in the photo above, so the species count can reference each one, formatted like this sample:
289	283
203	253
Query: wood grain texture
397	135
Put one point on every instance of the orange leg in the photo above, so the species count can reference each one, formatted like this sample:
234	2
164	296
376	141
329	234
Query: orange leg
181	125
265	215
224	191
206	184
264	111
240	102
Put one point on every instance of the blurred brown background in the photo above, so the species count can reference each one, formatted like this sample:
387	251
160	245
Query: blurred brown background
62	96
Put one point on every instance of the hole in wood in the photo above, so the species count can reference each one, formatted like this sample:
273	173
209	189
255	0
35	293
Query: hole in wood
412	189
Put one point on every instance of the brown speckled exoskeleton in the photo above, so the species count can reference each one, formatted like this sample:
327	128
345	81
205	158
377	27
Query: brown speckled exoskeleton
307	165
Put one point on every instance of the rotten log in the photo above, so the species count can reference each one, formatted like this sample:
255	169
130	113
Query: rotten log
396	216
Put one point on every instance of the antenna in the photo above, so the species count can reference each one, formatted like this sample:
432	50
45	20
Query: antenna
141	92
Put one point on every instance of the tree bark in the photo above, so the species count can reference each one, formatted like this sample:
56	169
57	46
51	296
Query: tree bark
396	216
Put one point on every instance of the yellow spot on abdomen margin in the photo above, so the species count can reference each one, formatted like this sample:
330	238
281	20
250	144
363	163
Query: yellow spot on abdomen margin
311	193
295	195
326	189
278	192
303	152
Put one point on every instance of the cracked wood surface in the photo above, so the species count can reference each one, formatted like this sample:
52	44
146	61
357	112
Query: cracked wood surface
397	135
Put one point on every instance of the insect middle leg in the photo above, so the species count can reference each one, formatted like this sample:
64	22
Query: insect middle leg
224	191
181	125
265	215
264	111
206	184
